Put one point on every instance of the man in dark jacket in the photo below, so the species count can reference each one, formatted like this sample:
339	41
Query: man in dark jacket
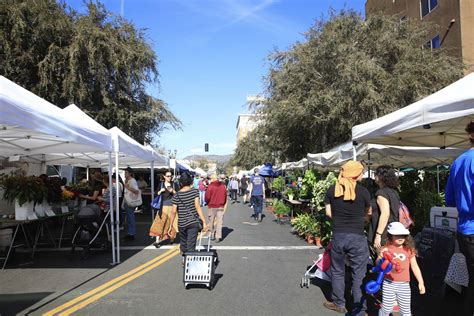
216	199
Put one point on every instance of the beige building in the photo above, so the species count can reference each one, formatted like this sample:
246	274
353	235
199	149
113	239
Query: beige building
245	124
453	22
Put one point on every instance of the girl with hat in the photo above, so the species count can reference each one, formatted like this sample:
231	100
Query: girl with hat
396	284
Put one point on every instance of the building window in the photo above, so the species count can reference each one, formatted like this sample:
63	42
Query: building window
434	43
427	6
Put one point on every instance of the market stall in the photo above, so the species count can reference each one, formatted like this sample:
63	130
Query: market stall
435	121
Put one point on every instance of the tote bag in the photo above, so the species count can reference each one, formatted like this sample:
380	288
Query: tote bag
133	199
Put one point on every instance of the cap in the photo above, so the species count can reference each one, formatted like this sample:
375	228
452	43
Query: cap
397	228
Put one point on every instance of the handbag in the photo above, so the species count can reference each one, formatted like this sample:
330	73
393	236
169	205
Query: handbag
133	199
156	203
199	222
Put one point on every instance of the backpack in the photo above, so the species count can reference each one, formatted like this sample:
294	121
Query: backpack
404	216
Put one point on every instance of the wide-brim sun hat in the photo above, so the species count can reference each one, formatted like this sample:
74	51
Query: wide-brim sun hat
397	228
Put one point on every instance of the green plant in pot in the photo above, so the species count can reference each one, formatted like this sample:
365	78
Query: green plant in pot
22	189
280	208
53	190
325	228
278	184
292	193
309	181
301	223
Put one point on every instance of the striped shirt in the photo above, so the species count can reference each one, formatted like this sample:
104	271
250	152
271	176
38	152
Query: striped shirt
187	213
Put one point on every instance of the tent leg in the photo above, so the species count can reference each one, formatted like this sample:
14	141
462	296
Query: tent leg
117	212
112	222
152	177
437	177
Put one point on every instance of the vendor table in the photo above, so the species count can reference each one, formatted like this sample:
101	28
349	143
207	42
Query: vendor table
17	225
294	204
42	226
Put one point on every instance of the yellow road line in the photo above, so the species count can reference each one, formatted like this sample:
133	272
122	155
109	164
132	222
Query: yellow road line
115	286
105	285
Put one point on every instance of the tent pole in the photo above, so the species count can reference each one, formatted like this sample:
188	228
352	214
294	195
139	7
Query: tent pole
369	163
117	213
437	176
87	173
111	210
152	189
354	152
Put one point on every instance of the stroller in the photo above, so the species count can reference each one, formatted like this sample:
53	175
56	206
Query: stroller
90	232
319	269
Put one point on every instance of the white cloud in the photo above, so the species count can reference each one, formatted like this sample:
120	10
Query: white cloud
229	12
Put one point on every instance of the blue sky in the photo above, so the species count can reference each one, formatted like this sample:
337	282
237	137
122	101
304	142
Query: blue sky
212	54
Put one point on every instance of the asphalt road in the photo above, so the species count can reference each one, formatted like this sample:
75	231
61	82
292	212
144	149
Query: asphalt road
253	276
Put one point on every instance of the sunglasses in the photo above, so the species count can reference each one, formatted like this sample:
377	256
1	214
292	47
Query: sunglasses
167	176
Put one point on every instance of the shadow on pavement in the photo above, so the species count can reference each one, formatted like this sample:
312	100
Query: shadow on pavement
13	304
226	231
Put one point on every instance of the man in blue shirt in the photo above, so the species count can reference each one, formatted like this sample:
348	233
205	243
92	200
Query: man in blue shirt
257	194
460	193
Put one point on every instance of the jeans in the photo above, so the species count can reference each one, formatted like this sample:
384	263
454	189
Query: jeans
188	237
131	226
233	194
257	202
466	247
202	199
355	248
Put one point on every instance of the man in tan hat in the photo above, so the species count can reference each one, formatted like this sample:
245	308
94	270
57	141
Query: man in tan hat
347	203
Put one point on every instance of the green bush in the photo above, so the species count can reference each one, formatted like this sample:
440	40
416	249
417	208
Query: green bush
280	208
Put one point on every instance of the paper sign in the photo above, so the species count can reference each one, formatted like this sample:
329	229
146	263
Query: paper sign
31	216
64	209
49	213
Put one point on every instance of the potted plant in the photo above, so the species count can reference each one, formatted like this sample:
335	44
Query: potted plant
24	192
292	193
301	223
281	209
278	186
308	183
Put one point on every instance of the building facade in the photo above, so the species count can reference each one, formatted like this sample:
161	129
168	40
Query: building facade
245	124
452	20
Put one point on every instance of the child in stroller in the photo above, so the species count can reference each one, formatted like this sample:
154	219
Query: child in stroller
93	223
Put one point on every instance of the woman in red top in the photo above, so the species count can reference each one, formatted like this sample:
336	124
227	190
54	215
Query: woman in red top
396	284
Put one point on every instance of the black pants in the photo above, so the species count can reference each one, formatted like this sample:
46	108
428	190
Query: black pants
188	237
233	194
466	246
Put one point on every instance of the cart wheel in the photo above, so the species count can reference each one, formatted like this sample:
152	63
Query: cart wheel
307	284
186	287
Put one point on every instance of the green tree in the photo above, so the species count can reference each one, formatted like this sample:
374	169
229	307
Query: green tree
252	150
99	61
347	71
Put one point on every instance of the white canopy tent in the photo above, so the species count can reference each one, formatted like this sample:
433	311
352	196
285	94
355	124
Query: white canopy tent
30	125
200	172
301	164
395	156
438	120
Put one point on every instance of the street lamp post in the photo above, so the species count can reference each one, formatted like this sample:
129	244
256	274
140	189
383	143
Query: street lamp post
172	156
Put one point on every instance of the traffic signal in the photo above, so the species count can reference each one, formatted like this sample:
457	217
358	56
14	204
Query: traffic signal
206	147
